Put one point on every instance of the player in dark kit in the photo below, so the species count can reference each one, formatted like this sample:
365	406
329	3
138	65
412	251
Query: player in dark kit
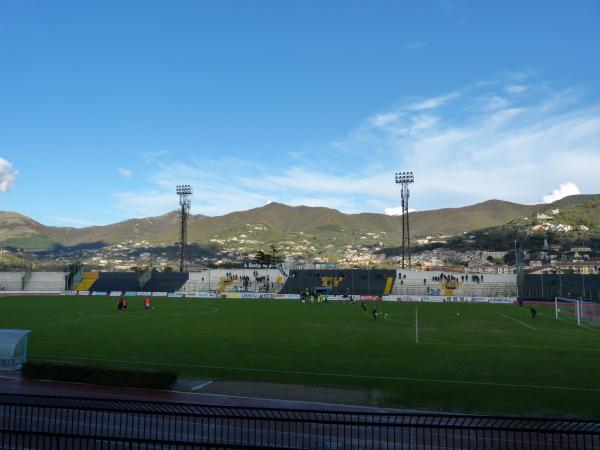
375	313
533	313
364	306
120	304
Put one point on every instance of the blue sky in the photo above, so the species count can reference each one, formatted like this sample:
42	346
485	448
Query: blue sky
106	106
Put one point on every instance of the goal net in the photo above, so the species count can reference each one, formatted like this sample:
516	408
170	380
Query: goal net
584	312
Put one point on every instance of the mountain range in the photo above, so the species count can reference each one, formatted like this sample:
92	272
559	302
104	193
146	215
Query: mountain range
276	223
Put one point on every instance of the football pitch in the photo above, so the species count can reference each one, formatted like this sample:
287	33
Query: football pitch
483	358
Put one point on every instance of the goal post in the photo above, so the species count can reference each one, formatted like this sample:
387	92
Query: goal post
585	312
567	307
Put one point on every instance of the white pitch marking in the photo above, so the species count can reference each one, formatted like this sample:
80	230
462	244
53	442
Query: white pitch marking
533	347
574	324
327	374
200	386
518	321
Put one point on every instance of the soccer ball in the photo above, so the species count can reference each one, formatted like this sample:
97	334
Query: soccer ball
457	314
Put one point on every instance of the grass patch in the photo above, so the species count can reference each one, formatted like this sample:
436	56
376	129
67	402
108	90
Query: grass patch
470	357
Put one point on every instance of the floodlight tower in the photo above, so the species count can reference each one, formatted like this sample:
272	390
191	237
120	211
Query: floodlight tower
184	191
404	179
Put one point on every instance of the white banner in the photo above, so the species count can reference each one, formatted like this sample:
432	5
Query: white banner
409	298
83	292
429	299
69	293
159	294
267	295
390	298
115	294
4	293
175	294
144	294
503	300
99	293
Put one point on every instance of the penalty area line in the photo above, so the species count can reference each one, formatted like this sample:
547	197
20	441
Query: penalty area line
329	374
518	321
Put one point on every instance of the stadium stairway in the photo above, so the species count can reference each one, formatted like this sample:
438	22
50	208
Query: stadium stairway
87	281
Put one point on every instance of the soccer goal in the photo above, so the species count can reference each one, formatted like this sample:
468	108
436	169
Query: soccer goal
585	312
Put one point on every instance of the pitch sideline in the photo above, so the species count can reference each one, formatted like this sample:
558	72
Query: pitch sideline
329	374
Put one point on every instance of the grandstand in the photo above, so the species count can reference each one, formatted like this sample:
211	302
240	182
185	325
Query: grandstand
166	282
46	281
548	286
232	280
87	281
11	281
33	281
341	282
377	282
116	281
410	282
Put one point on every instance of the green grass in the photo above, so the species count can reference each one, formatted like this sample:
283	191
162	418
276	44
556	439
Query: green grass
490	359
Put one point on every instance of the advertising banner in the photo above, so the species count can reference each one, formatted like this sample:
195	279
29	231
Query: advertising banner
431	299
267	295
201	295
409	298
144	294
390	298
232	295
69	293
246	295
115	293
131	294
83	292
502	300
370	298
175	295
159	294
99	293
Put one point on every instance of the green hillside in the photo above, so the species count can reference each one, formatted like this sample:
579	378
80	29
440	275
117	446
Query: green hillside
299	229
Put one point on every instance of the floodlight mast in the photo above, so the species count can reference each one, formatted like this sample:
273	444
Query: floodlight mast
404	179
184	191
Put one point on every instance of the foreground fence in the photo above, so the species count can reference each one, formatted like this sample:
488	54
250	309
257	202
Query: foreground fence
41	422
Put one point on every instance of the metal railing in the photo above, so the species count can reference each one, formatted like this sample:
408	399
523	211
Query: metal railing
44	422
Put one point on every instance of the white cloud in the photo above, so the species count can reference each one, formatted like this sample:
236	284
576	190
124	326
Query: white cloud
515	89
562	191
397	211
151	156
416	45
124	172
463	154
432	102
8	175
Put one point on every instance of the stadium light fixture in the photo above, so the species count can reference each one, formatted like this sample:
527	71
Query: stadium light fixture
404	179
184	191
